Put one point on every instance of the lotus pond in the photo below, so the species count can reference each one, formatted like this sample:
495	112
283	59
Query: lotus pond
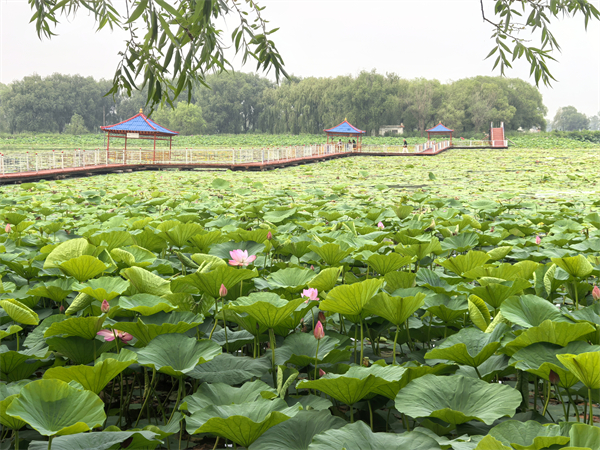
421	303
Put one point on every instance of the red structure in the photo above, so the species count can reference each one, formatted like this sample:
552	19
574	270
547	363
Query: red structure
440	130
139	127
344	129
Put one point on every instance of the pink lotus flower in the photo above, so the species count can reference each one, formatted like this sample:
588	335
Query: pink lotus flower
269	236
61	309
310	294
596	293
380	225
109	335
322	372
240	257
7	228
312	267
222	291
105	307
319	332
538	240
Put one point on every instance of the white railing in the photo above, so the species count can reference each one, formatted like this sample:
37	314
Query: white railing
481	143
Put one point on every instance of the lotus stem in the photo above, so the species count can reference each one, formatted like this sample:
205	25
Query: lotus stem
50	442
225	328
409	343
179	391
574	404
355	341
216	442
362	340
395	341
216	319
351	414
591	407
576	295
148	393
557	392
477	372
272	340
317	358
16	439
370	414
547	398
17	334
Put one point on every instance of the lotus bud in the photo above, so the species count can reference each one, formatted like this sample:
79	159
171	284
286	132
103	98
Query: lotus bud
105	307
365	362
596	293
322	317
312	267
538	240
554	377
322	372
7	228
222	291
61	308
319	332
380	225
492	230
269	236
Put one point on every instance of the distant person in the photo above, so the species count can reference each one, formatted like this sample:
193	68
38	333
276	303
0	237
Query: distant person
353	144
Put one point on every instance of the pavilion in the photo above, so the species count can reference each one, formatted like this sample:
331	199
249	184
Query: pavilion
345	129
439	130
139	127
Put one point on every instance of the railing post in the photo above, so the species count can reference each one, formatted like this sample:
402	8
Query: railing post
2	163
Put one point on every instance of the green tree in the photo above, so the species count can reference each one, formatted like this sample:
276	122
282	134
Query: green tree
76	126
595	122
186	119
569	119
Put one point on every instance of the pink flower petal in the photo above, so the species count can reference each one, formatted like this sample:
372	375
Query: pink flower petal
250	258
107	335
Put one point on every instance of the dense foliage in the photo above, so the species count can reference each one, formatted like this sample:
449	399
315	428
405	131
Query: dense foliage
242	103
430	303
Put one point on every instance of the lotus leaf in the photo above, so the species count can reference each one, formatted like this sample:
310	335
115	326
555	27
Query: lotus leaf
146	282
210	282
530	311
52	407
358	436
585	366
101	441
19	313
445	307
83	267
383	264
326	279
85	327
351	299
176	355
456	399
146	304
292	279
528	435
68	250
395	309
78	349
495	293
267	308
220	394
11	330
332	254
584	436
242	424
576	266
300	349
230	369
103	288
479	313
56	290
464	263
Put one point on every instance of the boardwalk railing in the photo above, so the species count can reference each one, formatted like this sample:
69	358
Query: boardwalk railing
21	162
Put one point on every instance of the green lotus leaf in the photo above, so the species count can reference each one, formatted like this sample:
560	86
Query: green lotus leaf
479	313
584	436
85	327
230	369
457	399
222	250
110	239
56	290
297	432
8	392
470	346
207	262
384	264
11	330
158	324
146	304
181	233
105	440
495	293
491	443
15	366
397	310
504	271
83	267
347	388
52	407
560	333
220	394
78	349
242	424
530	311
177	355
498	253
461	243
103	288
93	378
68	250
358	436
445	307
420	251
267	308
293	320
590	314
210	282
18	312
464	263
351	299
528	435
399	280
432	281
81	302
540	358
576	266
326	279
300	349
585	366
331	253
293	279
146	282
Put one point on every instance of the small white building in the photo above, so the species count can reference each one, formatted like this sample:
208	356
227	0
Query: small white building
394	129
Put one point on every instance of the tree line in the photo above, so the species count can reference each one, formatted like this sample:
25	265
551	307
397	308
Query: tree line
247	103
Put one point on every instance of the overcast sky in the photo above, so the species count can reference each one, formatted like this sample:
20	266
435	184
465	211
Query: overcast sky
444	39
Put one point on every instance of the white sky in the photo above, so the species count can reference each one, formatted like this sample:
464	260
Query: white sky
443	39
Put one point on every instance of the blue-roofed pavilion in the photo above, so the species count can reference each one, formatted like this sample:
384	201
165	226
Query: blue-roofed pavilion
139	127
438	130
344	129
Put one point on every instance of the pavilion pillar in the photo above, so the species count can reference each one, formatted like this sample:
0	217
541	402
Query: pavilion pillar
154	154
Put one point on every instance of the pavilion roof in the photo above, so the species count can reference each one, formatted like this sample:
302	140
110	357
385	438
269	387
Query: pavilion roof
345	128
439	128
139	124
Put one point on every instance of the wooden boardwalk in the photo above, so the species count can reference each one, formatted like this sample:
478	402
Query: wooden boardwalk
89	170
